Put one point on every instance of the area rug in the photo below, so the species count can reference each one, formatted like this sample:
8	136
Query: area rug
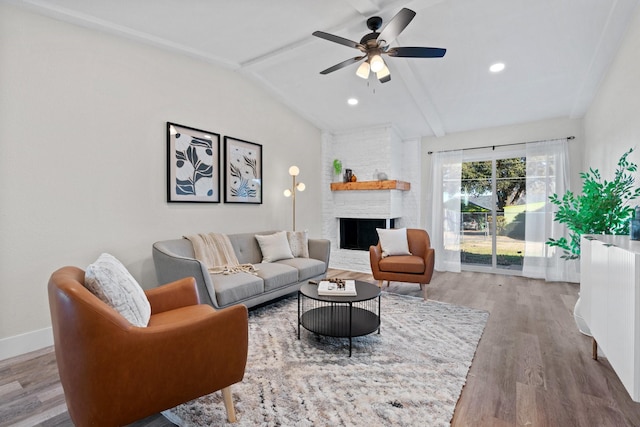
412	373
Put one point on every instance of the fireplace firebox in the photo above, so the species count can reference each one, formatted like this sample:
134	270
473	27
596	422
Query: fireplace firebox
359	234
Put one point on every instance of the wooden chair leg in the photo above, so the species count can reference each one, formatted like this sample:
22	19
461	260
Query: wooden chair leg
424	290
380	283
388	283
228	404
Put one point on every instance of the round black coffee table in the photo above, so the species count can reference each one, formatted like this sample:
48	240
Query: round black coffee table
339	316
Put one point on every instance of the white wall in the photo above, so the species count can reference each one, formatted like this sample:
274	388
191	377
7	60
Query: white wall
83	153
612	123
534	131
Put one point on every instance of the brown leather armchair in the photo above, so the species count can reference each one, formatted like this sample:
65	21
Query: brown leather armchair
414	268
114	373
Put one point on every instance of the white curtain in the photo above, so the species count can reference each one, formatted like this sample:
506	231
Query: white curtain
547	173
446	169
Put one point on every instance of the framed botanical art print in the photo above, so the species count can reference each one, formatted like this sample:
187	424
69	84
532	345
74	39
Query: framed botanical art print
193	165
243	171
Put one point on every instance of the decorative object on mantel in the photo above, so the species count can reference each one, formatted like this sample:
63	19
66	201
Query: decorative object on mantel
381	176
371	185
243	171
193	158
348	173
294	171
337	167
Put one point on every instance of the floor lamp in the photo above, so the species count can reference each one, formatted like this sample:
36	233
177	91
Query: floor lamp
291	192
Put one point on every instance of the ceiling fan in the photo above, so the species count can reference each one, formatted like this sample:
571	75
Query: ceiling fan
376	44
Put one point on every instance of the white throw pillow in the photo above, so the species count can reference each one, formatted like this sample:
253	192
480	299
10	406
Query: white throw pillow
299	243
274	246
110	281
393	241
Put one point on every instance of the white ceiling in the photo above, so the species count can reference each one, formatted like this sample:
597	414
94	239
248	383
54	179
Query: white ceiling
556	53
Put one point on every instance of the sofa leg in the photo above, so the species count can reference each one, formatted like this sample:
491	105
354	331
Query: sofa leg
424	290
228	404
380	283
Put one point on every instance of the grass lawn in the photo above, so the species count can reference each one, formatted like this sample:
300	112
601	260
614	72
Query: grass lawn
475	248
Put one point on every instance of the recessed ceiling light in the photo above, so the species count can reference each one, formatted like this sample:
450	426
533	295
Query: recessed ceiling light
497	67
352	101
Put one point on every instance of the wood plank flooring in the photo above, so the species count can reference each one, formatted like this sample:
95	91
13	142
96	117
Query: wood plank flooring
532	366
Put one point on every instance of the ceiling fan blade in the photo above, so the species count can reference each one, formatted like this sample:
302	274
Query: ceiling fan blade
395	26
342	64
339	40
416	52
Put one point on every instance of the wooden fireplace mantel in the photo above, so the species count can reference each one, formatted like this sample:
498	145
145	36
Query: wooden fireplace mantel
390	184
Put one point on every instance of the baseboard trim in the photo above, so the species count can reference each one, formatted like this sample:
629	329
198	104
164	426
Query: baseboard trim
25	343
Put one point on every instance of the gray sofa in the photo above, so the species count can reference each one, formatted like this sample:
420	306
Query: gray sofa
174	259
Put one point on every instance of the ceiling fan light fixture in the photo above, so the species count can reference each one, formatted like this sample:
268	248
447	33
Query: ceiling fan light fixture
383	73
363	70
377	63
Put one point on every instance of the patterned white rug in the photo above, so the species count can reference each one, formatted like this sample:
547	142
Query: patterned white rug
412	373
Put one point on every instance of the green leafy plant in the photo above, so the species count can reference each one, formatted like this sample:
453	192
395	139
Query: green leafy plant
337	166
603	207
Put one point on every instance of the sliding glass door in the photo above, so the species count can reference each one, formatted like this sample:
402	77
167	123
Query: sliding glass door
492	209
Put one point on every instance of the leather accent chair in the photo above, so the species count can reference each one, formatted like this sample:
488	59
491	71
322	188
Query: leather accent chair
114	373
414	268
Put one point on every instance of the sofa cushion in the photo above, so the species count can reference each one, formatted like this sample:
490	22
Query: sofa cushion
393	241
231	288
276	275
307	267
110	281
299	243
274	246
402	264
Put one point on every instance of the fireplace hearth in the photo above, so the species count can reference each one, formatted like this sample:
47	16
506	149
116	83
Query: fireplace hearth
358	234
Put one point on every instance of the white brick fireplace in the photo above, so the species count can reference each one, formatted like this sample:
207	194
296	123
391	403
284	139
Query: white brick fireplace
367	152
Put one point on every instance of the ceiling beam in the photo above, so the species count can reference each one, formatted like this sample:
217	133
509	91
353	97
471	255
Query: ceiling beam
88	21
364	7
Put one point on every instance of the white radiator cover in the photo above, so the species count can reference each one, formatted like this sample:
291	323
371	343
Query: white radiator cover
610	297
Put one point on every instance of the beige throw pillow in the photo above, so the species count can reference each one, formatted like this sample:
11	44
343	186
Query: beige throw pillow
274	246
110	281
299	243
393	241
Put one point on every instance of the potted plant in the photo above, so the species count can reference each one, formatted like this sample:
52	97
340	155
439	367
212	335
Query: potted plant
337	167
602	208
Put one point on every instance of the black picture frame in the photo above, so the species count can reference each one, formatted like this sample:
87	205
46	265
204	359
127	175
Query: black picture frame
242	171
193	165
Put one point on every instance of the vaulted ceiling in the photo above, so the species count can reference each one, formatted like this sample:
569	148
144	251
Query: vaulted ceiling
555	52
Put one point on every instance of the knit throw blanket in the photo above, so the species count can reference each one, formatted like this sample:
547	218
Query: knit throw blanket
215	251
